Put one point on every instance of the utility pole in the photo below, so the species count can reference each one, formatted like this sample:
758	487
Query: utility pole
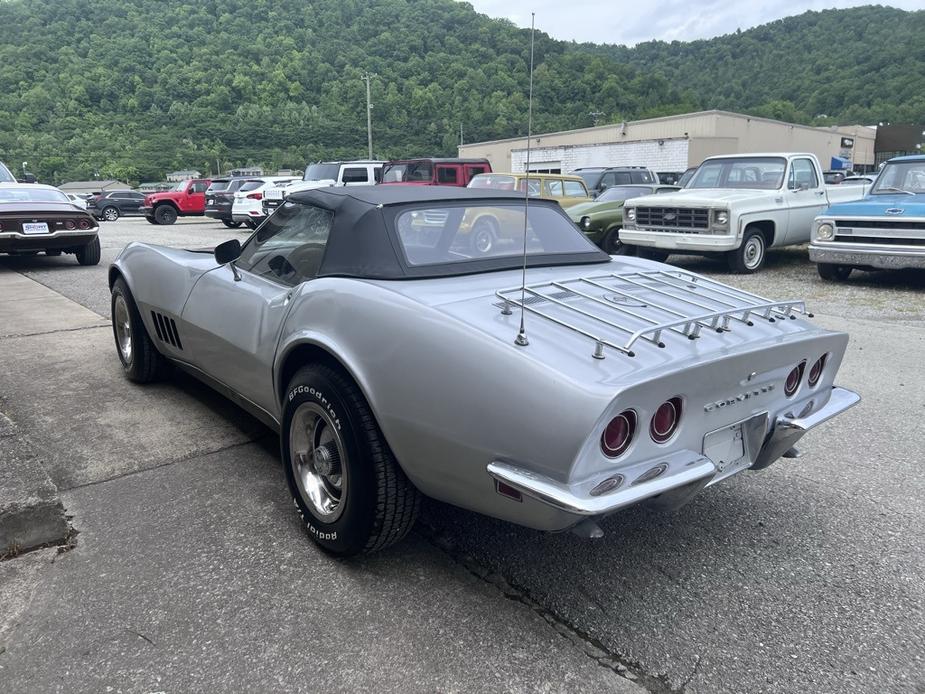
460	135
369	114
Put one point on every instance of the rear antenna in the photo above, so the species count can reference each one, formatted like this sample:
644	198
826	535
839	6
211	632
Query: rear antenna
521	339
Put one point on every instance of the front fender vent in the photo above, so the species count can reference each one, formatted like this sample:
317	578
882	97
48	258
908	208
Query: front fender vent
166	330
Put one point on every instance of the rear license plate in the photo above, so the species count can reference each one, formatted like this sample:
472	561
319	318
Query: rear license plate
725	447
210	201
35	228
275	194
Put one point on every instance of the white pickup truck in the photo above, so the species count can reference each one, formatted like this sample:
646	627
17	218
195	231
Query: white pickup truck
738	205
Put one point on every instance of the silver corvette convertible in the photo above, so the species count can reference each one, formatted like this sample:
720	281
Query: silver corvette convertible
378	329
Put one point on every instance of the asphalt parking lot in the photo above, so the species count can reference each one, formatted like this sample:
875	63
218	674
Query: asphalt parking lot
191	572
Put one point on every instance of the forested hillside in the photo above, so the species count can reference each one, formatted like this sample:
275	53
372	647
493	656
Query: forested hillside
134	88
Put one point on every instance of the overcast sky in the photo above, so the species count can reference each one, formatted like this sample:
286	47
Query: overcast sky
608	21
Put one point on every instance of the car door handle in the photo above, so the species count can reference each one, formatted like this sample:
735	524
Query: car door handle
820	192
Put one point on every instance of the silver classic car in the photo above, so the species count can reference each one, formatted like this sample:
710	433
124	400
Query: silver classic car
536	379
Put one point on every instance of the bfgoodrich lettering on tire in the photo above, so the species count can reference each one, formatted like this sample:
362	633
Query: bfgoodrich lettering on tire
348	487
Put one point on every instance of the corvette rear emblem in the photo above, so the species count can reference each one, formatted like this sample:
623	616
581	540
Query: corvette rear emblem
895	210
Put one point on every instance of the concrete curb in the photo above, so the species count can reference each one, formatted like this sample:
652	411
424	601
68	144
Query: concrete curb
31	513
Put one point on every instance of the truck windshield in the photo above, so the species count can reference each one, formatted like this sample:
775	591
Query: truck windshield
408	172
321	172
5	175
760	173
901	177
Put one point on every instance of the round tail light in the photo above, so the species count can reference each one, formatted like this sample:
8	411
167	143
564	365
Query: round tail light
618	434
69	224
794	378
84	224
665	420
815	371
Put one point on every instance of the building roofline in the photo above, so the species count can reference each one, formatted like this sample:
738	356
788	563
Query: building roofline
713	112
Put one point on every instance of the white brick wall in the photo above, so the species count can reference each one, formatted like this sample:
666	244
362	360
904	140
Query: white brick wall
671	155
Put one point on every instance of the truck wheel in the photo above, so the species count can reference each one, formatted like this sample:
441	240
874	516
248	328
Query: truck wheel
141	362
833	273
652	254
151	220
483	237
749	257
346	484
231	225
612	245
90	254
165	214
110	213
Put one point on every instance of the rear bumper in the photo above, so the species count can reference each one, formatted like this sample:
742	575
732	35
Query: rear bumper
684	473
222	214
869	256
680	241
12	241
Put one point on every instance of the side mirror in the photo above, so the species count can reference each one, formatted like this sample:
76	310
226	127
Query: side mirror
227	252
29	178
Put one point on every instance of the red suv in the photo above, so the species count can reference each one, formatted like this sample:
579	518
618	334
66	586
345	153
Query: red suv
433	172
187	199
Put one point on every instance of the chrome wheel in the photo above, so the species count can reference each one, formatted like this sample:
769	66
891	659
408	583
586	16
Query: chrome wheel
753	252
123	326
110	214
483	237
318	459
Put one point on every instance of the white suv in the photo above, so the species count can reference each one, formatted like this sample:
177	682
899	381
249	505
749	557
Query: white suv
363	172
246	206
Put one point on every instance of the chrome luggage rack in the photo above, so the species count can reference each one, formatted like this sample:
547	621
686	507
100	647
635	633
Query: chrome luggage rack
693	303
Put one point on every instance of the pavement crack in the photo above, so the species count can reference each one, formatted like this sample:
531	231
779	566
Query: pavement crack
53	332
166	463
694	671
140	635
592	647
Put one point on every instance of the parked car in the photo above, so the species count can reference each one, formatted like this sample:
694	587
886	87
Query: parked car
687	176
77	201
602	218
247	206
111	205
883	231
186	199
359	172
738	205
371	347
35	217
600	178
564	189
220	198
433	172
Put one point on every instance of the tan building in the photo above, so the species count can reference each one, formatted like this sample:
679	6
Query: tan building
674	143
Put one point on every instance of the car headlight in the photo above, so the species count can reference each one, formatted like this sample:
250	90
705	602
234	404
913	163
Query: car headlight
825	232
585	223
630	213
722	217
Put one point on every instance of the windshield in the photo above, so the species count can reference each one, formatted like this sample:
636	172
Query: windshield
431	236
321	172
5	175
622	193
31	194
250	185
759	173
493	181
901	176
591	178
410	172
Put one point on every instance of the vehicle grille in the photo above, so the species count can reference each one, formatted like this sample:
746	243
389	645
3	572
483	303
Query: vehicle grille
436	217
673	217
885	232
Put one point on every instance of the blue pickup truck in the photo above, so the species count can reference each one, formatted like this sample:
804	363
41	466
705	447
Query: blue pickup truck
883	231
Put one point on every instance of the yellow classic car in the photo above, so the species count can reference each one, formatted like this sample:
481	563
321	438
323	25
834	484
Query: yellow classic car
566	190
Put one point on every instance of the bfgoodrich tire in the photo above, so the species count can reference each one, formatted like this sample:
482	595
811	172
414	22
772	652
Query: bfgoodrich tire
141	362
165	214
349	489
90	254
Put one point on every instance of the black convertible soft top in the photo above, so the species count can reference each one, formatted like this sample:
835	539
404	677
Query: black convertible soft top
363	240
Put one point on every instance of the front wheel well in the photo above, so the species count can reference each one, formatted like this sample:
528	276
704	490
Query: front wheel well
115	274
767	229
169	203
